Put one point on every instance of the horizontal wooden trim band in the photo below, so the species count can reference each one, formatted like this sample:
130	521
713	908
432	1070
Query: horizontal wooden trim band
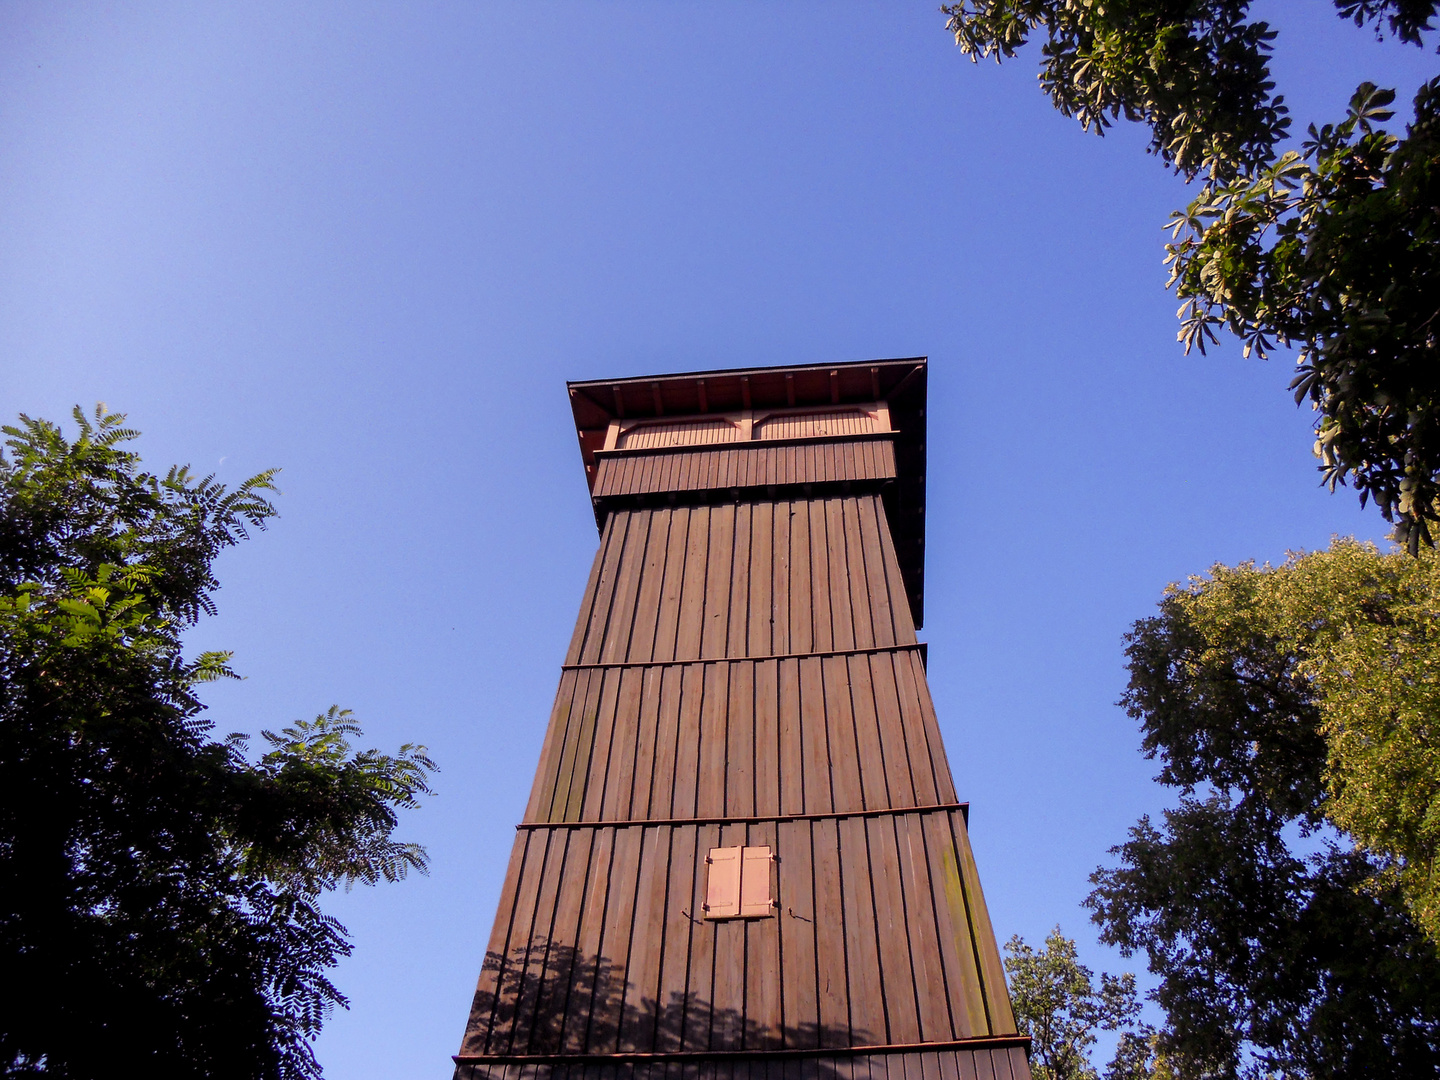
630	823
919	645
983	1042
746	444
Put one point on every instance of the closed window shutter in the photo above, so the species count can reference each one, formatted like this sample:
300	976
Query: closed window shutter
755	899
722	886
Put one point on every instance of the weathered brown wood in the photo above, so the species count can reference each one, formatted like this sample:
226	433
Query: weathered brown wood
896	967
728	993
764	975
492	970
957	947
871	761
767	738
692	607
647	944
864	615
832	981
744	673
926	960
608	1000
791	764
868	992
997	1001
740	755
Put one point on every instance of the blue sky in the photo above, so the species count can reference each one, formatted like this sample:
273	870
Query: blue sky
367	243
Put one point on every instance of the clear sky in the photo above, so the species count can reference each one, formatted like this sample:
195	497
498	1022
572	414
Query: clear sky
369	242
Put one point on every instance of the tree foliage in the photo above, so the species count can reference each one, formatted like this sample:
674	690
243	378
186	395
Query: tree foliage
1332	248
1285	704
1058	1005
158	888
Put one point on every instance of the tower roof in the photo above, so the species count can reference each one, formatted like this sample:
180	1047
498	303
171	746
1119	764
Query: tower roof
899	383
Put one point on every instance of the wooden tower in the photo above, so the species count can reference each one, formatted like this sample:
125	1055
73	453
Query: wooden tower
743	858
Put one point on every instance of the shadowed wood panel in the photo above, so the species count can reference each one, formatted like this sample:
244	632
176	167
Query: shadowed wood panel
603	946
743	467
741	739
963	1064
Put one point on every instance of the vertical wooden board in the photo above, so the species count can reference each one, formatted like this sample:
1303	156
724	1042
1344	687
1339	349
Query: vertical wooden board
586	687
869	992
984	1069
738	620
615	943
861	589
899	597
622	523
592	791
1019	1063
965	1062
815	739
842	593
497	956
687	753
840	734
997	998
832	985
780	639
936	1023
792	748
821	621
542	1012
760	637
931	1067
682	918
574	782
874	750
700	979
667	624
627	589
902	1007
801	620
957	949
719	581
542	795
689	632
529	942
739	765
876	580
642	766
625	749
949	1065
728	997
652	581
795	891
647	944
931	772
660	796
763	971
899	776
602	566
767	738
589	969
714	720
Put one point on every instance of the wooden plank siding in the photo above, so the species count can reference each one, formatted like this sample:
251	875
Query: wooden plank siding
743	466
743	674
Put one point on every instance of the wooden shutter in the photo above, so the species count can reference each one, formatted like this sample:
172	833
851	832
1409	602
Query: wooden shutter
722	885
755	899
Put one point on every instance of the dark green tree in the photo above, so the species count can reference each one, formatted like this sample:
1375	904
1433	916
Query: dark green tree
1282	703
158	887
1332	247
1059	1006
